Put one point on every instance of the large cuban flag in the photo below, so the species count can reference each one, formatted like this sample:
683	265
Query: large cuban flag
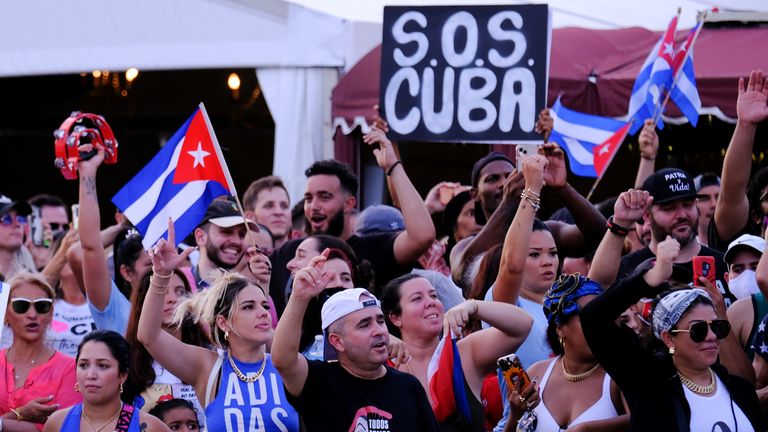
179	183
590	141
656	75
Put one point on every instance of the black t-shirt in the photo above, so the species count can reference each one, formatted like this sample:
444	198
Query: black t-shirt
630	262
715	242
333	400
377	249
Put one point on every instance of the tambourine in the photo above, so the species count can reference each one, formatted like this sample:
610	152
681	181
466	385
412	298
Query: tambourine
79	129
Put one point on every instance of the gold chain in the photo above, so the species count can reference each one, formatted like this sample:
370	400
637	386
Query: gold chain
578	377
242	376
98	429
697	388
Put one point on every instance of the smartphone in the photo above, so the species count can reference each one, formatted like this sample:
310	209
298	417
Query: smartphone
513	372
523	151
36	226
703	266
75	215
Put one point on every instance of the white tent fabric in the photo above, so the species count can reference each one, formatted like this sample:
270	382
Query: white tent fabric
54	37
300	103
595	14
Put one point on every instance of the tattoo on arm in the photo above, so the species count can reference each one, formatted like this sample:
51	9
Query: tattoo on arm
143	426
90	185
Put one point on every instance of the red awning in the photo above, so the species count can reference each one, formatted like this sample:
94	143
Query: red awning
594	70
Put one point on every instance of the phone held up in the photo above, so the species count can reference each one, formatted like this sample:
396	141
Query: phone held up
513	372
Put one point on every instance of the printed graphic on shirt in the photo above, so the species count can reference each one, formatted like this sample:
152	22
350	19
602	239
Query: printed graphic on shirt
258	404
371	419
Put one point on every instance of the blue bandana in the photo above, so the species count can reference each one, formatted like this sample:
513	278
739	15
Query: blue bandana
560	302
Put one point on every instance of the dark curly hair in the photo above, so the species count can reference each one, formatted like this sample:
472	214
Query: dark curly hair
347	177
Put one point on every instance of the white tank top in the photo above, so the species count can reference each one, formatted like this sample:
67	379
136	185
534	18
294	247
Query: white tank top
713	413
600	410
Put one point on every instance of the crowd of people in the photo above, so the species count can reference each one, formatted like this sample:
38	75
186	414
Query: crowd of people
646	313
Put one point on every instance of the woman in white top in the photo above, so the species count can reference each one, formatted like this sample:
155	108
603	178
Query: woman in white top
575	392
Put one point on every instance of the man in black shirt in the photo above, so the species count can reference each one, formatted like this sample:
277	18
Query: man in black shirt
357	391
674	214
329	200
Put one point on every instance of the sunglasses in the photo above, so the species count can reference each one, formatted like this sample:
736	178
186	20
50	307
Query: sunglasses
21	305
698	330
7	219
57	226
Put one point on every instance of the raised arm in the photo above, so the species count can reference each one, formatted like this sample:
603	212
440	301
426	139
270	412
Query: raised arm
630	206
578	239
649	147
52	270
510	326
732	211
515	250
307	283
419	230
75	253
96	279
189	363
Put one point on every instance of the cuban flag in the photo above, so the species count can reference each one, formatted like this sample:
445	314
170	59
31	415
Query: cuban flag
179	183
446	382
684	93
580	135
656	75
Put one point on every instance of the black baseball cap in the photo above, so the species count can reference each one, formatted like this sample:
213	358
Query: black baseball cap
6	204
224	213
670	184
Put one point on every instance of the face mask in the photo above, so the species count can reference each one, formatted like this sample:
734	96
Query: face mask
744	284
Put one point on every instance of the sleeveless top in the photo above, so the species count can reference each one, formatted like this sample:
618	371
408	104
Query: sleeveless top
72	421
600	410
242	407
759	311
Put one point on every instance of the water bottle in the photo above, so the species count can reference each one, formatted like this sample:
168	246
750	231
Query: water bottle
315	351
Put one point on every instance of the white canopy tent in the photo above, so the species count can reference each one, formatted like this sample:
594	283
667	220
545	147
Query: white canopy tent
298	47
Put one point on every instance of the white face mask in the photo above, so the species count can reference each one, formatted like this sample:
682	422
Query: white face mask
744	284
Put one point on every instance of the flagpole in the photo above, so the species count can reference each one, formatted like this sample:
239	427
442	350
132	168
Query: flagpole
597	182
658	112
227	175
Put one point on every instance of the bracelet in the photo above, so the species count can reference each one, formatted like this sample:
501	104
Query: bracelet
616	229
160	291
529	191
534	202
168	276
392	167
19	417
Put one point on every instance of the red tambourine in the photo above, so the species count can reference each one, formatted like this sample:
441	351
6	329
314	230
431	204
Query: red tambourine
79	129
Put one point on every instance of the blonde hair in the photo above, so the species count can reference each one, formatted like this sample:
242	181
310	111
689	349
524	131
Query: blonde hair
34	279
217	300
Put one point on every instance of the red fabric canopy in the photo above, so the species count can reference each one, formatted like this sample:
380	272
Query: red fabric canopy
611	57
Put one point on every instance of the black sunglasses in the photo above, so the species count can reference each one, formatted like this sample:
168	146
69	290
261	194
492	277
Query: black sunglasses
698	330
21	305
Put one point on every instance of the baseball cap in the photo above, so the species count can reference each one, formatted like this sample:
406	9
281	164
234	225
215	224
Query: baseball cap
670	184
707	179
223	213
744	241
340	305
6	204
379	219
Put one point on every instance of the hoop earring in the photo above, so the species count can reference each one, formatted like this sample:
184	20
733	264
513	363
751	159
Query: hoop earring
671	350
226	335
562	343
77	387
121	388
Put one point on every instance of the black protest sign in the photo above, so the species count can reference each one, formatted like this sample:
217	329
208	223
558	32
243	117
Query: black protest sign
464	73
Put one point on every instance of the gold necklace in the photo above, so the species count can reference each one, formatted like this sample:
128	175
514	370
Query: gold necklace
241	376
32	363
98	429
697	388
578	377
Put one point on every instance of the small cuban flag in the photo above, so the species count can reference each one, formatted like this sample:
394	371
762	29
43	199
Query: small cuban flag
590	141
179	183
